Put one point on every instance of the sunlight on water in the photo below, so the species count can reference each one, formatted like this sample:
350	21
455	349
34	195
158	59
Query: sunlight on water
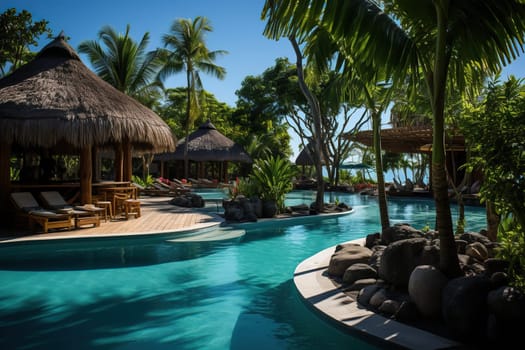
236	294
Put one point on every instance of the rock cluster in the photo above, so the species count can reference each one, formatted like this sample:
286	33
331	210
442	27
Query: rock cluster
242	209
188	200
397	274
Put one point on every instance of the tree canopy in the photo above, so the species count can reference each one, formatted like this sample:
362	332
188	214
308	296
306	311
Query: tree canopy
19	32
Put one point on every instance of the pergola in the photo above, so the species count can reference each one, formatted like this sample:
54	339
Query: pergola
407	140
415	140
56	103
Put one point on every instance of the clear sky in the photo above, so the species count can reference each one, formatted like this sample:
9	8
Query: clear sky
237	28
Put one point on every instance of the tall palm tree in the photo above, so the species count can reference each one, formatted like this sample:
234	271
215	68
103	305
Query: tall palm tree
125	64
185	50
439	38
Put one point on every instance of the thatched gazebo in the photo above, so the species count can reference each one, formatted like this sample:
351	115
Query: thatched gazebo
207	144
305	157
57	103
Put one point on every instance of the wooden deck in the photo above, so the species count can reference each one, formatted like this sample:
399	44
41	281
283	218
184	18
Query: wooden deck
158	216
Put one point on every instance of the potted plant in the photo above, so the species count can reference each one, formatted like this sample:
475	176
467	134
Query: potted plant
273	178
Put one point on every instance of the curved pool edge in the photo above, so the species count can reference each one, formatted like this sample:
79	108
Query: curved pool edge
289	220
160	234
324	297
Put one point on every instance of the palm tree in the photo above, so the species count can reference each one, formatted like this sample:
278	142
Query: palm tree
125	64
439	38
185	50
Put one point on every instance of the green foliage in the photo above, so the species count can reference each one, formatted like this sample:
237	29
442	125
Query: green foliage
146	182
124	63
273	178
512	248
494	133
18	33
264	103
244	186
14	174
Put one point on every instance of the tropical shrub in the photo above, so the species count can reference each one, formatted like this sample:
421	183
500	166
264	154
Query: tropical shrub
273	178
245	187
494	133
146	182
512	248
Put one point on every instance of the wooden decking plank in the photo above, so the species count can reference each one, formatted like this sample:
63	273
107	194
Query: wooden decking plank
157	216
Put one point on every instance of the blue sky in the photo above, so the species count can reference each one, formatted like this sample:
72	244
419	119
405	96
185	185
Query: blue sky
237	28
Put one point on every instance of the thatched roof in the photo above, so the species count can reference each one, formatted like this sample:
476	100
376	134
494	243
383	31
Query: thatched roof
305	157
407	139
208	144
55	101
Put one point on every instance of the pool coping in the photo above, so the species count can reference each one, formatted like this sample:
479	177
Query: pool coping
329	300
288	220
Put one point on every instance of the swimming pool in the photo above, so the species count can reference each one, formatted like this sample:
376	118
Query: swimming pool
237	294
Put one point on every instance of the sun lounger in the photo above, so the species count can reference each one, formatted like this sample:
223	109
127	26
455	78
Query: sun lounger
85	215
28	208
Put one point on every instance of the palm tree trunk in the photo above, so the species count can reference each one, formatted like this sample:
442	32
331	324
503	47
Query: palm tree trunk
187	126
381	194
449	262
493	220
316	114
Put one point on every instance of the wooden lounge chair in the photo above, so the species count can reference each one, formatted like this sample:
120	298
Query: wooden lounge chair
86	215
28	208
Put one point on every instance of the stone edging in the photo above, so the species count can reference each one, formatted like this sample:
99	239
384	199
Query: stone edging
325	297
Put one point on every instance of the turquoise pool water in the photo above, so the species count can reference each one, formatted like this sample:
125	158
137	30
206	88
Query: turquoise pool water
148	294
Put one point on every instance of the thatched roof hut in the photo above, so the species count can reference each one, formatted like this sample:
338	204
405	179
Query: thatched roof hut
55	102
208	149
306	156
208	144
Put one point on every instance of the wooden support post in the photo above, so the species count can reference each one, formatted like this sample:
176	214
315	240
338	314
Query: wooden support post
5	175
86	174
118	162
127	161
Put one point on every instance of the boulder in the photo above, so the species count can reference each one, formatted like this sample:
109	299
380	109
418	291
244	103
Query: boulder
362	283
399	259
425	288
464	306
477	251
375	259
399	232
366	293
345	256
359	271
507	315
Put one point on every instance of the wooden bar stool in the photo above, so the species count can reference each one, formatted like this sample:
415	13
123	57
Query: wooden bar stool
101	202
132	207
126	205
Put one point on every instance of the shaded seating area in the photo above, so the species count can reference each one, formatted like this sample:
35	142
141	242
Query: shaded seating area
83	215
208	155
55	107
31	212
